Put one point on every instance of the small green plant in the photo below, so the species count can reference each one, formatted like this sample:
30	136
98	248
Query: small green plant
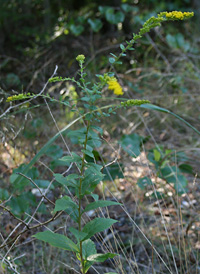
170	166
90	173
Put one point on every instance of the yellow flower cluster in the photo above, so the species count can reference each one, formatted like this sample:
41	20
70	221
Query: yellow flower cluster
134	102
177	15
20	96
115	86
80	58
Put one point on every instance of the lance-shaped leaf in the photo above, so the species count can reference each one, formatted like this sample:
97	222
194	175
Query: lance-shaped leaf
99	129
87	152
157	108
68	205
74	158
88	248
69	180
101	203
95	24
90	255
97	225
101	257
79	235
64	203
57	240
92	177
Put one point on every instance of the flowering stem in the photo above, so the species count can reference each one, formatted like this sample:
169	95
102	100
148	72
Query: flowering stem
80	195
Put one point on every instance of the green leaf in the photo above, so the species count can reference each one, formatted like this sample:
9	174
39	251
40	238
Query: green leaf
92	177
181	184
66	181
22	203
88	248
119	17
114	18
180	156
103	9
76	29
54	151
150	157
172	175
85	98
186	168
169	173
72	159
128	8
72	176
158	195
143	182
101	257
100	203
89	148
115	57
3	194
157	155
112	60
95	24
154	107
131	144
99	129
178	42
119	62
79	235
87	152
69	206
95	196
88	116
56	240
78	137
113	171
65	203
171	40
122	47
97	225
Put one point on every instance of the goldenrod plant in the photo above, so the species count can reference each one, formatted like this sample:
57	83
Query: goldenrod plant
90	173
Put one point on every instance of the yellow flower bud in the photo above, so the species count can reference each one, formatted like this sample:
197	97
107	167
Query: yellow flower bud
80	58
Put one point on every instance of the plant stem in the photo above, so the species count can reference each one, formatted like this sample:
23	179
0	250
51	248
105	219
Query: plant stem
79	198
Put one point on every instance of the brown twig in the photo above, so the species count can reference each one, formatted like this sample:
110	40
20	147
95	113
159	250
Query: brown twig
28	178
55	216
18	219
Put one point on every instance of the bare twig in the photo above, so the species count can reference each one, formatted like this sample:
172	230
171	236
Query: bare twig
16	106
116	158
10	266
55	216
18	219
28	178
